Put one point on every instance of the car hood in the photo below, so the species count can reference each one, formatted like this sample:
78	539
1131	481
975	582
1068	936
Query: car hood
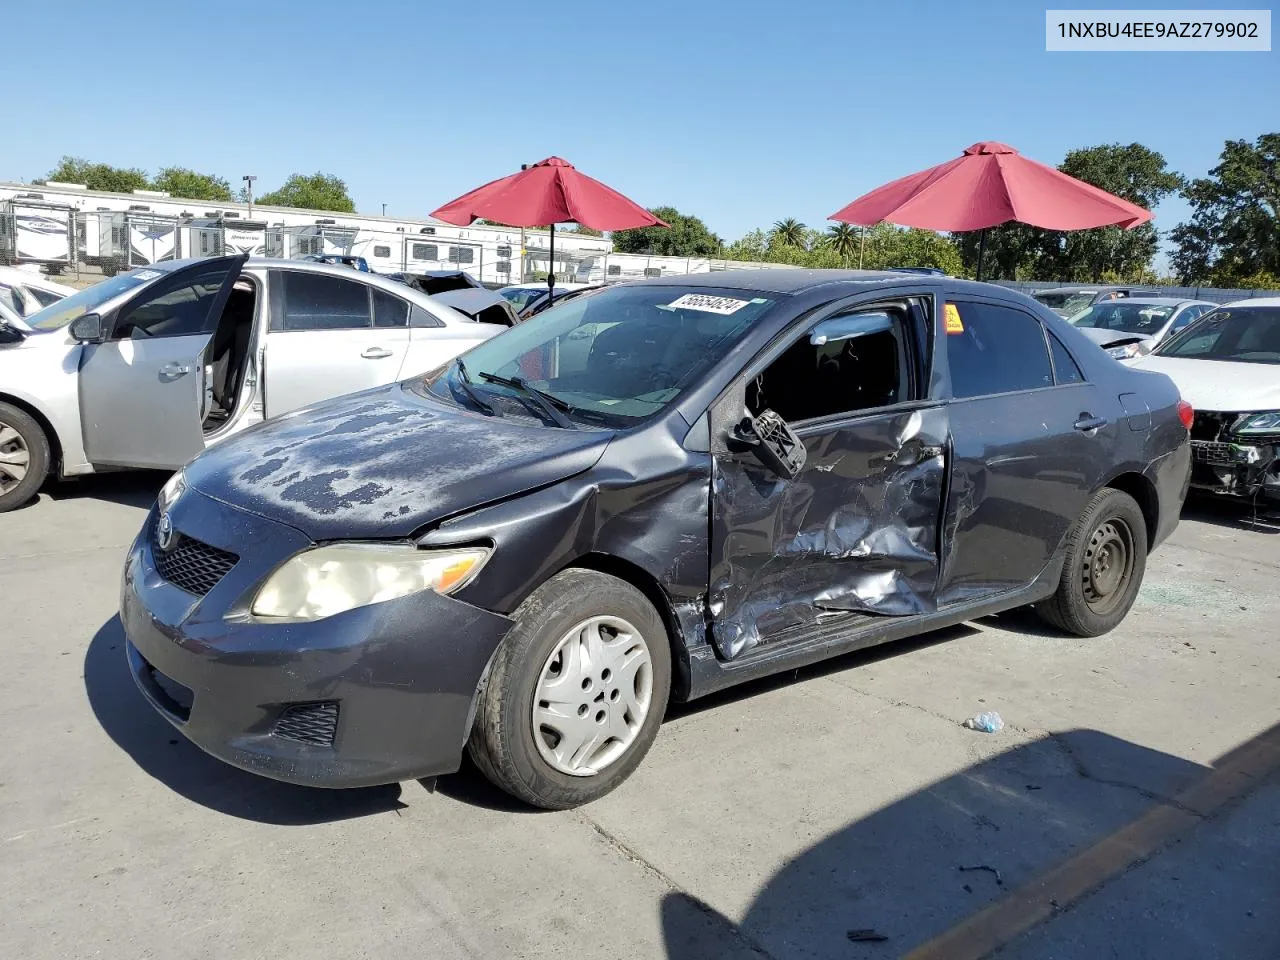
1110	338
385	463
1221	385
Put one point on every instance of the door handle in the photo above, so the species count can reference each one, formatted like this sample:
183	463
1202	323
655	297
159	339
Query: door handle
1087	423
173	371
376	353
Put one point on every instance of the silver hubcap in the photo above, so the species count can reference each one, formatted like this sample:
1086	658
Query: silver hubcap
14	457
592	696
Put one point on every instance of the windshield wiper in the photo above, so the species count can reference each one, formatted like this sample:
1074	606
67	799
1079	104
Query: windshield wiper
464	381
551	405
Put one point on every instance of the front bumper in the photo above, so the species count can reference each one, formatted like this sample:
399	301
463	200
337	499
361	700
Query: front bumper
374	695
1236	468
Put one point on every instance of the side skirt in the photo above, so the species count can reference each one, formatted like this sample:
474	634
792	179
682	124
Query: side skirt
709	674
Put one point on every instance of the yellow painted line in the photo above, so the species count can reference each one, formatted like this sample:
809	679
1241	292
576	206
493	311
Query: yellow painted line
1234	776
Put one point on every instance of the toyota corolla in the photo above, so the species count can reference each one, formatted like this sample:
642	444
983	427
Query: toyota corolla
639	497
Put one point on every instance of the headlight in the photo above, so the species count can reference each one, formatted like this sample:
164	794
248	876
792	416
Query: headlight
327	580
172	490
1125	351
1259	423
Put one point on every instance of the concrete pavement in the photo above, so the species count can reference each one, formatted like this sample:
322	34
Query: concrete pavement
767	822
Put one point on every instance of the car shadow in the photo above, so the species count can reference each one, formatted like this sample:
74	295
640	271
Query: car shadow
133	488
169	757
1235	514
976	862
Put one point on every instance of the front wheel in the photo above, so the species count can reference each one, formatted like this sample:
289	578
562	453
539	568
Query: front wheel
1106	558
576	692
24	457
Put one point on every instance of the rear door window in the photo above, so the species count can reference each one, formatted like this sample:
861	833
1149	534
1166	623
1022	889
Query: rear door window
317	301
994	349
1065	368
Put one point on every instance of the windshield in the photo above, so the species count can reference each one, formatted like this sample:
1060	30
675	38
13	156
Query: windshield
615	358
58	315
521	297
1240	334
1126	317
1066	304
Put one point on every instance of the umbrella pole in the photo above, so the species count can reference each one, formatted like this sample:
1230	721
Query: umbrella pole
862	245
982	248
551	264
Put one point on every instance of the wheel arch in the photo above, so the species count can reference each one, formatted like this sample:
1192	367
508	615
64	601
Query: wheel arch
1144	493
51	435
648	584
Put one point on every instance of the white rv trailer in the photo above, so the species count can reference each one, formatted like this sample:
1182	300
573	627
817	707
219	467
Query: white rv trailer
215	234
389	244
34	230
616	267
149	237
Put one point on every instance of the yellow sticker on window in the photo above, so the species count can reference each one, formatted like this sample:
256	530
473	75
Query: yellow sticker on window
952	317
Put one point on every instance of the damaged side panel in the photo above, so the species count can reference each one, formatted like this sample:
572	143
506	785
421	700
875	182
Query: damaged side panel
855	532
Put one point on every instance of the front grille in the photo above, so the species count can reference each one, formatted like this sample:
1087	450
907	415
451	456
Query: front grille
192	565
1213	452
313	723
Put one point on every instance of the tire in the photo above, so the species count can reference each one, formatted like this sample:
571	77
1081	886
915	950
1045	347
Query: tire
546	652
1105	562
24	457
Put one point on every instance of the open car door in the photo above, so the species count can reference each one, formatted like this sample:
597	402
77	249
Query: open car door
142	386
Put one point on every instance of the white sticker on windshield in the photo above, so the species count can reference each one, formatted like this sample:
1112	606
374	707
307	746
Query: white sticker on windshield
707	303
147	274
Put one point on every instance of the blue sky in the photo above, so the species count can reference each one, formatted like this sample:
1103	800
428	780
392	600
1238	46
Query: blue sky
739	112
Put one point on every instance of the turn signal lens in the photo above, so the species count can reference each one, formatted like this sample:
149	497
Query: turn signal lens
1186	414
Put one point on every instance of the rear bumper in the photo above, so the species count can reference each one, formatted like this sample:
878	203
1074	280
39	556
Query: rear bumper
1171	476
375	695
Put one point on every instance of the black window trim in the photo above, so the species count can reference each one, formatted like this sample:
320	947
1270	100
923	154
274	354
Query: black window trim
920	375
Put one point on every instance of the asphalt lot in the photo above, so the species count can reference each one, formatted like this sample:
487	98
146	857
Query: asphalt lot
1130	803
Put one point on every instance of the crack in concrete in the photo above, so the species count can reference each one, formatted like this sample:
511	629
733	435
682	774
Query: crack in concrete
1082	771
717	918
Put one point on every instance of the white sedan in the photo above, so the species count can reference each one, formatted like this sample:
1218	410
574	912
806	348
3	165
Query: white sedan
1227	366
147	368
25	292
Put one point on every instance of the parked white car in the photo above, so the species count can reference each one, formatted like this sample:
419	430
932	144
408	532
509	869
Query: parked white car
1227	366
26	292
1132	326
147	368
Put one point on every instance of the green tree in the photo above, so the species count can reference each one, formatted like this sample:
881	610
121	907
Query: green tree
1013	252
1132	172
189	185
1234	231
585	231
99	176
687	237
843	239
751	247
316	191
789	233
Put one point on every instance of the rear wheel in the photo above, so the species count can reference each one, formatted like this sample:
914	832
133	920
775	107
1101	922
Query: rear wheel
576	692
24	457
1106	559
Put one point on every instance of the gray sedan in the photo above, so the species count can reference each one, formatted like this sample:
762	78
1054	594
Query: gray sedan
1132	327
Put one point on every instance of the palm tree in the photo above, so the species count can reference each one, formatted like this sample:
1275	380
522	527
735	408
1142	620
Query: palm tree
789	233
843	238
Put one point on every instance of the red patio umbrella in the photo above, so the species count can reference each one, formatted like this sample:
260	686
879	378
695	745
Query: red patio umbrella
544	194
990	184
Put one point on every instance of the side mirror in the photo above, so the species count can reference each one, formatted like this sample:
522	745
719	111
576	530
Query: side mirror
850	327
88	328
10	334
770	438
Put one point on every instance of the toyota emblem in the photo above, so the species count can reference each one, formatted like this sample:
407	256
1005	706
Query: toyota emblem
164	532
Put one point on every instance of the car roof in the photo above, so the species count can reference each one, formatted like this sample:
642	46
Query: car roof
781	280
1155	301
1254	302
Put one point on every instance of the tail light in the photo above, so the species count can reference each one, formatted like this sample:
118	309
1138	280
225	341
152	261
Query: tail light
1186	413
